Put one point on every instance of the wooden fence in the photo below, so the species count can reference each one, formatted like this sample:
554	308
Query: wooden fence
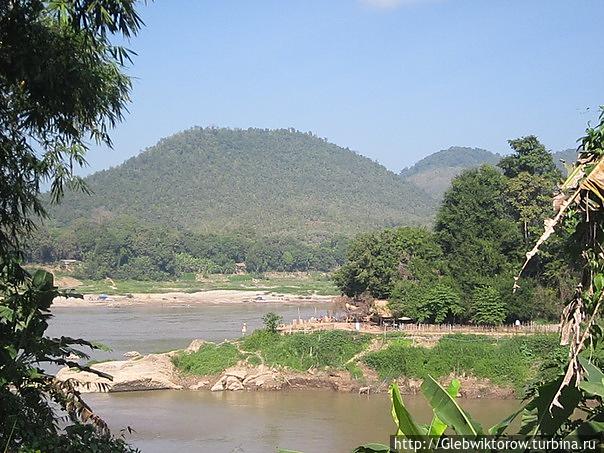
419	329
468	328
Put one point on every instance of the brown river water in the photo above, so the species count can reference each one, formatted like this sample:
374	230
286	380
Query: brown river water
187	421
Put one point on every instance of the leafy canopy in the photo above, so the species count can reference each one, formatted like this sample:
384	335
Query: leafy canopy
265	182
475	227
377	260
62	84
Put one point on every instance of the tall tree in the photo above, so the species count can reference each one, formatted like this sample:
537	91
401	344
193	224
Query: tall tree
377	260
529	156
62	83
532	177
476	229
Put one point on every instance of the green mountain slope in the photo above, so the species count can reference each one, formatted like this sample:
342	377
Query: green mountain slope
264	181
433	174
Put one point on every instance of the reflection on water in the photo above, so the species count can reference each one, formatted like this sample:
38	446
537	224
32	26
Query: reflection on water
309	421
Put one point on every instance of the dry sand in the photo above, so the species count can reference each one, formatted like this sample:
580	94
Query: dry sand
180	298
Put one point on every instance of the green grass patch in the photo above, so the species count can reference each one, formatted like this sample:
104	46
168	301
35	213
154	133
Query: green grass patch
301	351
398	359
509	361
253	360
355	372
315	283
209	359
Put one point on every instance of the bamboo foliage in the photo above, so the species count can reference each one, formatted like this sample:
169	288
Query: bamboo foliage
581	198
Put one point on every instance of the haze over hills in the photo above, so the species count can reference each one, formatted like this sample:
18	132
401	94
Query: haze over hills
267	181
433	174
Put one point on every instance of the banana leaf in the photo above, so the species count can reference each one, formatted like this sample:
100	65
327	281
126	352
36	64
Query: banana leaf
594	378
592	372
401	416
589	429
372	448
537	419
437	426
499	428
447	409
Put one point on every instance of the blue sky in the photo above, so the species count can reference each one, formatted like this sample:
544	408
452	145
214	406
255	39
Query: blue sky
392	79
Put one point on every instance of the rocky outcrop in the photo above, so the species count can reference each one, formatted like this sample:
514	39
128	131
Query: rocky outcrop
157	372
151	372
243	377
199	385
195	345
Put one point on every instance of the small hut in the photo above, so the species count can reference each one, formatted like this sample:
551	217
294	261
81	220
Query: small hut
382	315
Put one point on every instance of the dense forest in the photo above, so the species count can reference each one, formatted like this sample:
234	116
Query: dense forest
433	174
205	199
268	182
125	248
463	269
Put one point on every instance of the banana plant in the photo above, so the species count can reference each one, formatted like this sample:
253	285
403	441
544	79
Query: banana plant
593	388
537	418
447	413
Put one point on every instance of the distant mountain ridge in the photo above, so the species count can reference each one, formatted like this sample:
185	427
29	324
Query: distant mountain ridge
455	156
269	182
433	174
272	182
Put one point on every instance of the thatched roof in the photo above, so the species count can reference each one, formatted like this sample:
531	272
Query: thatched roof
381	308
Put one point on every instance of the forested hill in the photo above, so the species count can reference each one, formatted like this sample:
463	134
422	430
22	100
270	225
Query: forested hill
254	180
434	173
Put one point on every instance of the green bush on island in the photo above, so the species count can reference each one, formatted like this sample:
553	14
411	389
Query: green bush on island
399	358
508	361
209	359
301	351
271	321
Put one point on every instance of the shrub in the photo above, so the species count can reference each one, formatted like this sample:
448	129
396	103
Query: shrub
301	351
439	303
271	321
398	359
404	299
209	359
508	362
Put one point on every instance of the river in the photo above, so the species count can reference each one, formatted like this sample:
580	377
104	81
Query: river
164	327
255	422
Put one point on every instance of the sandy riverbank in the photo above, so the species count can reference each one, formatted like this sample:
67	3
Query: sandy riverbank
181	298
